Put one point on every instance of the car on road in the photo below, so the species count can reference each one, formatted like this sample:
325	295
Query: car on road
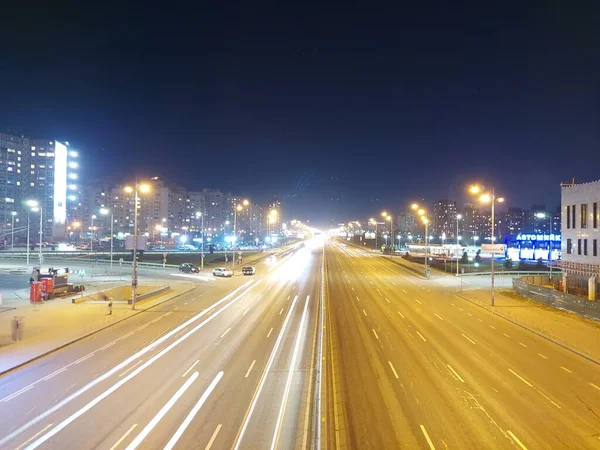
189	268
248	270
222	272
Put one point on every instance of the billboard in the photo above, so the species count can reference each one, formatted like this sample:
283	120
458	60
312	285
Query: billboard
141	243
493	248
60	190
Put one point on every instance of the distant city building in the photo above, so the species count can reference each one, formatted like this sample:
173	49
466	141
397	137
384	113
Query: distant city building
406	223
580	230
444	219
39	170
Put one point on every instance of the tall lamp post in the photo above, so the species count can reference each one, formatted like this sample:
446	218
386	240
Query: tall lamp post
237	208
372	221
31	204
458	217
489	198
92	233
421	212
542	215
104	212
390	219
12	232
199	214
134	277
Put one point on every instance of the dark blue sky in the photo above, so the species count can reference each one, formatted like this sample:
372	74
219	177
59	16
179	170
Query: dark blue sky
340	109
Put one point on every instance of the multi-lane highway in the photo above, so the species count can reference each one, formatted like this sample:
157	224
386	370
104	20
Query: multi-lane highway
413	366
231	364
329	347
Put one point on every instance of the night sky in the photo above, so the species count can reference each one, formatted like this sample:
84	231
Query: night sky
340	110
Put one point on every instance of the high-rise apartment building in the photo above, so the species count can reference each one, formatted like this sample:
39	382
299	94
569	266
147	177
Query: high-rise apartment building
444	219
38	170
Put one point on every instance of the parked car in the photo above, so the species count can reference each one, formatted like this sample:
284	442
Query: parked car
188	268
222	272
248	270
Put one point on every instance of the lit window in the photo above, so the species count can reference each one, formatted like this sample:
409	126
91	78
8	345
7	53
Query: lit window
10	169
33	166
33	147
49	154
18	183
32	153
19	152
41	154
31	184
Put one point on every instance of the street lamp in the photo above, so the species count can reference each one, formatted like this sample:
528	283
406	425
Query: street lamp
421	212
104	212
134	278
372	221
92	232
390	219
542	215
199	214
12	233
31	204
488	198
36	209
237	208
458	217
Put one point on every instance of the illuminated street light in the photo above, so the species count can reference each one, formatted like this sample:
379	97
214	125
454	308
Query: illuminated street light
489	198
238	208
105	212
390	219
425	220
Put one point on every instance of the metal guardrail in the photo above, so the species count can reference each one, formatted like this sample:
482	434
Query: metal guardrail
512	272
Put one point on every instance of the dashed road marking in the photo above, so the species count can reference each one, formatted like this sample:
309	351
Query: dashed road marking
520	378
421	336
427	438
468	338
455	373
545	357
375	333
522	345
364	312
269	333
565	369
506	335
393	369
418	301
401	315
438	316
516	439
250	369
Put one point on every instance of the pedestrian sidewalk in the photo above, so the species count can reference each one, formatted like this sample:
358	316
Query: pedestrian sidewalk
568	329
59	322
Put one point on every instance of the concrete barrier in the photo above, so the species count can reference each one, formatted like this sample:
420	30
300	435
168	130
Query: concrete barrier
122	293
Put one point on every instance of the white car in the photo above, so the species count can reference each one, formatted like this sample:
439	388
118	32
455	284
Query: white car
222	272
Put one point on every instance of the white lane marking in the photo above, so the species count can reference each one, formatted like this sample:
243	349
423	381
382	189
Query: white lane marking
263	378
294	288
455	373
107	346
401	315
371	282
394	284
186	422
492	327
53	374
364	312
168	313
281	312
438	316
129	334
244	313
421	336
565	369
480	320
357	299
387	300
127	433
270	331
84	358
375	333
213	437
468	338
226	331
470	315
352	288
160	414
431	446
393	369
259	297
453	304
190	369
506	335
288	385
15	394
34	436
231	298
520	378
404	291
250	369
185	303
516	439
460	308
594	386
522	345
545	357
132	367
418	301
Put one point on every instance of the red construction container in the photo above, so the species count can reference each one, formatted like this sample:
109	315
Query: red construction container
47	287
35	292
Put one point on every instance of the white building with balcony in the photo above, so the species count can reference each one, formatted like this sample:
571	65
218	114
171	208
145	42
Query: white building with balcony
580	229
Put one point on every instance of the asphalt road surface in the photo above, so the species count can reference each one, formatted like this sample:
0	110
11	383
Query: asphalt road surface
230	364
236	363
413	366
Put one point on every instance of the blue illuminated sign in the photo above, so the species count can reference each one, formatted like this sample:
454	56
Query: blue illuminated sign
538	237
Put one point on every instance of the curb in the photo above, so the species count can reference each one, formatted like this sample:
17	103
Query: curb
537	333
66	344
